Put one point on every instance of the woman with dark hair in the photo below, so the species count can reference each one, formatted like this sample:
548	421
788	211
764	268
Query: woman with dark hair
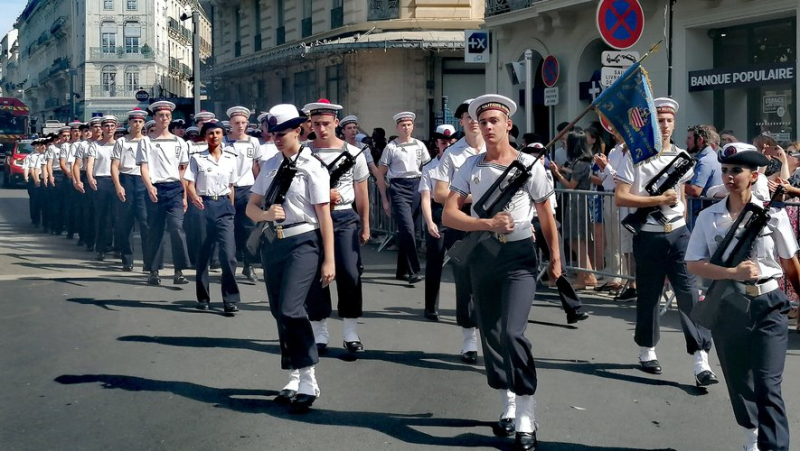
594	139
575	175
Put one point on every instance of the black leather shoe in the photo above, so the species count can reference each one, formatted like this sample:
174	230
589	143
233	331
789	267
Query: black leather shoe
179	279
230	309
70	236
214	266
100	257
504	427
415	278
127	268
627	296
469	357
301	403
705	378
651	366
353	346
322	348
249	273
202	305
573	318
525	441
401	276
433	316
285	396
153	278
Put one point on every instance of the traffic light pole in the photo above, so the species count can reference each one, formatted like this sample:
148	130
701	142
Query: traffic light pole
196	59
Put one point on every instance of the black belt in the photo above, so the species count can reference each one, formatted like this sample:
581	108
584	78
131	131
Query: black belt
217	197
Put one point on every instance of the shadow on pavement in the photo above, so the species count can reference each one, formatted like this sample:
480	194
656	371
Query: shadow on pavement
176	306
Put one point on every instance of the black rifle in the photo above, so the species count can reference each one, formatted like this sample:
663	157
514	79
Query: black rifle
495	200
735	247
276	194
336	172
672	174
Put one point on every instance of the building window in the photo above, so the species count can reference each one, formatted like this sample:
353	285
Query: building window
108	5
108	37
131	79
305	87
132	5
280	30
108	77
257	26
237	27
133	33
334	83
337	14
306	22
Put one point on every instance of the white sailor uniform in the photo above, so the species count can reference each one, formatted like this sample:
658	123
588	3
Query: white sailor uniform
134	209
99	155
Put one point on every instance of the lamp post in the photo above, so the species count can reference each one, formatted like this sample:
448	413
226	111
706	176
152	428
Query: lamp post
72	92
195	55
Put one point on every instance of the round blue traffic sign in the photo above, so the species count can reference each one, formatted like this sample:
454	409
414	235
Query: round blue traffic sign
550	71
620	22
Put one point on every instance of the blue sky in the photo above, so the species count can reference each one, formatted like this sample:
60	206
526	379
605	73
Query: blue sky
11	10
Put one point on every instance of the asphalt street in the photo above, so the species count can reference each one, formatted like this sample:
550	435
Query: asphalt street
94	359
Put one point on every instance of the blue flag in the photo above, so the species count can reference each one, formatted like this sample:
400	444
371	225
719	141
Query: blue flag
628	106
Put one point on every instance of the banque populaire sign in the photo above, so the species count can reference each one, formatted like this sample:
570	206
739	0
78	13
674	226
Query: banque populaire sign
742	77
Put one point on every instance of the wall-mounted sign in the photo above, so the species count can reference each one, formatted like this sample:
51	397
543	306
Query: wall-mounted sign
728	78
476	47
608	75
773	104
550	96
619	59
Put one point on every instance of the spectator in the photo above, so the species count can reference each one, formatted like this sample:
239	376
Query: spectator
727	137
594	139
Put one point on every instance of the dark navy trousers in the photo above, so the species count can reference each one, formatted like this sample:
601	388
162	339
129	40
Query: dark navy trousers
660	255
242	224
132	211
218	216
87	225
752	352
347	252
57	202
405	200
104	199
291	266
167	214
33	202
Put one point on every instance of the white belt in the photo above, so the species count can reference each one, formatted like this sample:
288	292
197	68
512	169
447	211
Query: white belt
666	228
343	207
517	235
759	289
292	230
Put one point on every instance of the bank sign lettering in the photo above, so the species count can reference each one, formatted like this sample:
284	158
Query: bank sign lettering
705	80
476	46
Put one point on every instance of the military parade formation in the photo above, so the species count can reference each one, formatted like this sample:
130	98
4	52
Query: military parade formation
291	195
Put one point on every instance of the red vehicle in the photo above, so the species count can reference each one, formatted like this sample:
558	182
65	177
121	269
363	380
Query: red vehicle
13	122
15	154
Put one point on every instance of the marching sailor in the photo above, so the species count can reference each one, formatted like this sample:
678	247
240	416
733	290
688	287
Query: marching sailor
453	158
669	241
131	191
351	134
297	250
163	158
401	164
211	176
31	177
247	150
350	229
98	174
71	197
502	285
751	343
57	198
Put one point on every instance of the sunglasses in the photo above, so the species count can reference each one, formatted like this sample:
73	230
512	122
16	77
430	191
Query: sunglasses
734	170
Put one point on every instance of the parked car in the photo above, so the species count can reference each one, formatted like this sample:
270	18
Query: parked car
15	153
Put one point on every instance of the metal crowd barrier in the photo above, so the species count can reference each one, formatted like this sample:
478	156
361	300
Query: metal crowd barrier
382	225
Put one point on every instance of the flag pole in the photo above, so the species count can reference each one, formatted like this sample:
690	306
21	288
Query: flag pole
589	108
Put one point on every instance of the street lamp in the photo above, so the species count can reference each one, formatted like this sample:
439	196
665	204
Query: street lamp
72	94
195	55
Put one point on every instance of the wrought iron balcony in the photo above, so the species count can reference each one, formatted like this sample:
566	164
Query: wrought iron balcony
122	53
495	7
383	9
112	91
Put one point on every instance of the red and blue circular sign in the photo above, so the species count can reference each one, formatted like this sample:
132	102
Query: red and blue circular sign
620	22
550	71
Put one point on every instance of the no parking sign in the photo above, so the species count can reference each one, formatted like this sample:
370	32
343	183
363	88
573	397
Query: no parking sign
620	22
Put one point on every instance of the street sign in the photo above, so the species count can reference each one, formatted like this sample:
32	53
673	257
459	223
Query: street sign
620	22
608	75
550	71
550	96
476	46
142	95
619	59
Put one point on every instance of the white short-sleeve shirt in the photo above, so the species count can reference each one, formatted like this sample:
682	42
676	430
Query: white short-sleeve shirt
195	148
476	177
358	173
426	183
125	151
247	151
405	160
53	153
102	154
453	158
163	157
775	241
211	177
639	176
31	161
310	186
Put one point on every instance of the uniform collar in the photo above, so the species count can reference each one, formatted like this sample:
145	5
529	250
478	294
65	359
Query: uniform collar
721	207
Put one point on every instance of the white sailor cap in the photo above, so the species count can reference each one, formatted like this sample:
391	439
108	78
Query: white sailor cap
285	117
137	113
64	129
322	107
226	124
360	137
74	125
204	116
95	120
742	153
489	102
404	116
463	108
666	105
444	131
121	130
150	123
109	118
348	120
192	130
262	117
162	105
238	110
